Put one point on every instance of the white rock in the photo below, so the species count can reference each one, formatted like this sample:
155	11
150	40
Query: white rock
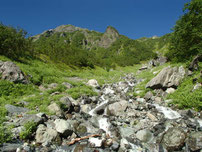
108	91
105	125
95	142
118	108
168	113
93	83
62	126
140	99
170	90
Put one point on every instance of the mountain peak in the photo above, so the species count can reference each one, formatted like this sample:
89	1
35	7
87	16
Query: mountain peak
112	31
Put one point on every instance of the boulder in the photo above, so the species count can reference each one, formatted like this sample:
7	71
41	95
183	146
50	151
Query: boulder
11	72
64	127
174	139
197	86
55	108
93	83
45	135
118	108
168	77
67	85
15	110
144	135
126	132
195	141
31	118
161	60
144	67
148	95
194	64
10	147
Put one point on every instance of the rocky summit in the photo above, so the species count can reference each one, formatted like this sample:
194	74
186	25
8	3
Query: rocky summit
112	121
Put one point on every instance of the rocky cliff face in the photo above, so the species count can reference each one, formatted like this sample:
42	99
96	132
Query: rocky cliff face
93	38
109	37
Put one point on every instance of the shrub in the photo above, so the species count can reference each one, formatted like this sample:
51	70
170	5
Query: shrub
13	43
30	128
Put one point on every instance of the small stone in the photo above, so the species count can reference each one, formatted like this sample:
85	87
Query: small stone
144	135
52	85
140	99
170	90
95	142
67	85
93	83
158	100
148	95
151	117
115	146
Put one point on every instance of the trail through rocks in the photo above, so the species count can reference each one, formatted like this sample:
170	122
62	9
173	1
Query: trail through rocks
113	121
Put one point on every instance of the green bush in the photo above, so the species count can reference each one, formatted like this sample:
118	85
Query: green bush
185	98
5	134
13	43
30	128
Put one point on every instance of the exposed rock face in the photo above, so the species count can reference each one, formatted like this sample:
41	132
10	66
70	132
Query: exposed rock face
168	77
11	72
109	37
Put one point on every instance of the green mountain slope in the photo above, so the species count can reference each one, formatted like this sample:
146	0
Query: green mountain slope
81	47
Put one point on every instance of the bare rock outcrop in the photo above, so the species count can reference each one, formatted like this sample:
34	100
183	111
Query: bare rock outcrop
11	72
168	78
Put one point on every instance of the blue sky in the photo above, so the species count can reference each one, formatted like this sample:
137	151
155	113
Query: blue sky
133	18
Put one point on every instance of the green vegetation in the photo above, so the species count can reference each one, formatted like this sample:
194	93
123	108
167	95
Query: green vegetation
186	40
157	44
13	43
29	129
80	50
5	134
64	57
184	97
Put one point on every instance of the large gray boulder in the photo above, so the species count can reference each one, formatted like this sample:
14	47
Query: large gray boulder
46	135
195	141
144	135
168	77
174	139
11	72
117	108
31	118
64	127
14	110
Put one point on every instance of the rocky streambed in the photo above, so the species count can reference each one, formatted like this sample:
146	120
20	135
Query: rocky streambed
113	121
